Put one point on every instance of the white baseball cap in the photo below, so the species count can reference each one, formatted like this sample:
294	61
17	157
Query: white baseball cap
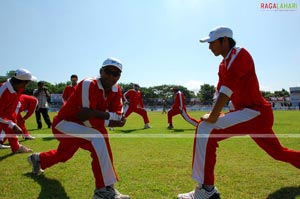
216	33
24	74
113	62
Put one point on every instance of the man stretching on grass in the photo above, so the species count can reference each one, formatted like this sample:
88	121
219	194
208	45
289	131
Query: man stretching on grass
134	103
10	93
252	115
81	122
178	107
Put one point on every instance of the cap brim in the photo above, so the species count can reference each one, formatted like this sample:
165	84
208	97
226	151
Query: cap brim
207	39
112	65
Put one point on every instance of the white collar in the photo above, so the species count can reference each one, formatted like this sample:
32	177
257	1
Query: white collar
10	87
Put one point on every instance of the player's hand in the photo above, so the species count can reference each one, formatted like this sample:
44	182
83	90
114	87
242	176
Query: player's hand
114	116
17	130
208	118
117	123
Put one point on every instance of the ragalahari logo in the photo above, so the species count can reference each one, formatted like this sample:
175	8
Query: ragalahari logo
278	6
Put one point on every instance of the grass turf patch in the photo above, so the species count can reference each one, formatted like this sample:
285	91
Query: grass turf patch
156	163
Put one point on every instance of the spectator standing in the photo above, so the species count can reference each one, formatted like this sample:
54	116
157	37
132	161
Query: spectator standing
42	94
164	106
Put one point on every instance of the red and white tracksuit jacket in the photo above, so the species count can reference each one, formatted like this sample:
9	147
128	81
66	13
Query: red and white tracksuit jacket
178	107
68	92
252	115
27	103
136	104
9	100
90	135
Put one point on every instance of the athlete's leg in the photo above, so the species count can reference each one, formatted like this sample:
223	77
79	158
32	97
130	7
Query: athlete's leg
188	118
128	111
96	142
142	112
171	114
207	137
65	150
270	143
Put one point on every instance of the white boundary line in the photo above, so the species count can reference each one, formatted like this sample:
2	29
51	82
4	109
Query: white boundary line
169	136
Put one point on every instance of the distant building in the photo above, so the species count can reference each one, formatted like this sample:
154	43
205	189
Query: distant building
295	96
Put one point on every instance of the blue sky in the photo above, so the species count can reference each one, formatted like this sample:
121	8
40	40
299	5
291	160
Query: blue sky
157	40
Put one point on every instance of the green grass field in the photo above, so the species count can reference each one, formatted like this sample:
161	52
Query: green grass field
156	163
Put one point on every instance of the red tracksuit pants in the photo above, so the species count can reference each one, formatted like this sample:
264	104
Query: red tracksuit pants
258	125
184	114
8	134
21	124
71	137
142	112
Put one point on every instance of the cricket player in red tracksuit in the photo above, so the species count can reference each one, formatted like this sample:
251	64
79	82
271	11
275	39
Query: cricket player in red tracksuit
28	104
133	100
179	107
252	114
81	122
70	88
9	100
10	93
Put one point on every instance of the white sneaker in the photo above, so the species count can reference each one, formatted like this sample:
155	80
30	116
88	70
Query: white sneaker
28	137
2	146
200	193
109	192
34	161
23	149
147	126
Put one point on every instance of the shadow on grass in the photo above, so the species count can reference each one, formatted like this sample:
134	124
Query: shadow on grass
6	156
49	138
36	129
130	130
50	188
286	193
181	130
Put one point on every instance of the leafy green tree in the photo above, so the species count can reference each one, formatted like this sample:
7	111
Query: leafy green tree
267	94
282	93
206	94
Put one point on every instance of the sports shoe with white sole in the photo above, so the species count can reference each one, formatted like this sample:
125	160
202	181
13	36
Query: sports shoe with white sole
200	193
34	161
28	137
2	146
23	149
147	126
108	192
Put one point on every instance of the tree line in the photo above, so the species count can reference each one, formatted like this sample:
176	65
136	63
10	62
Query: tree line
152	95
